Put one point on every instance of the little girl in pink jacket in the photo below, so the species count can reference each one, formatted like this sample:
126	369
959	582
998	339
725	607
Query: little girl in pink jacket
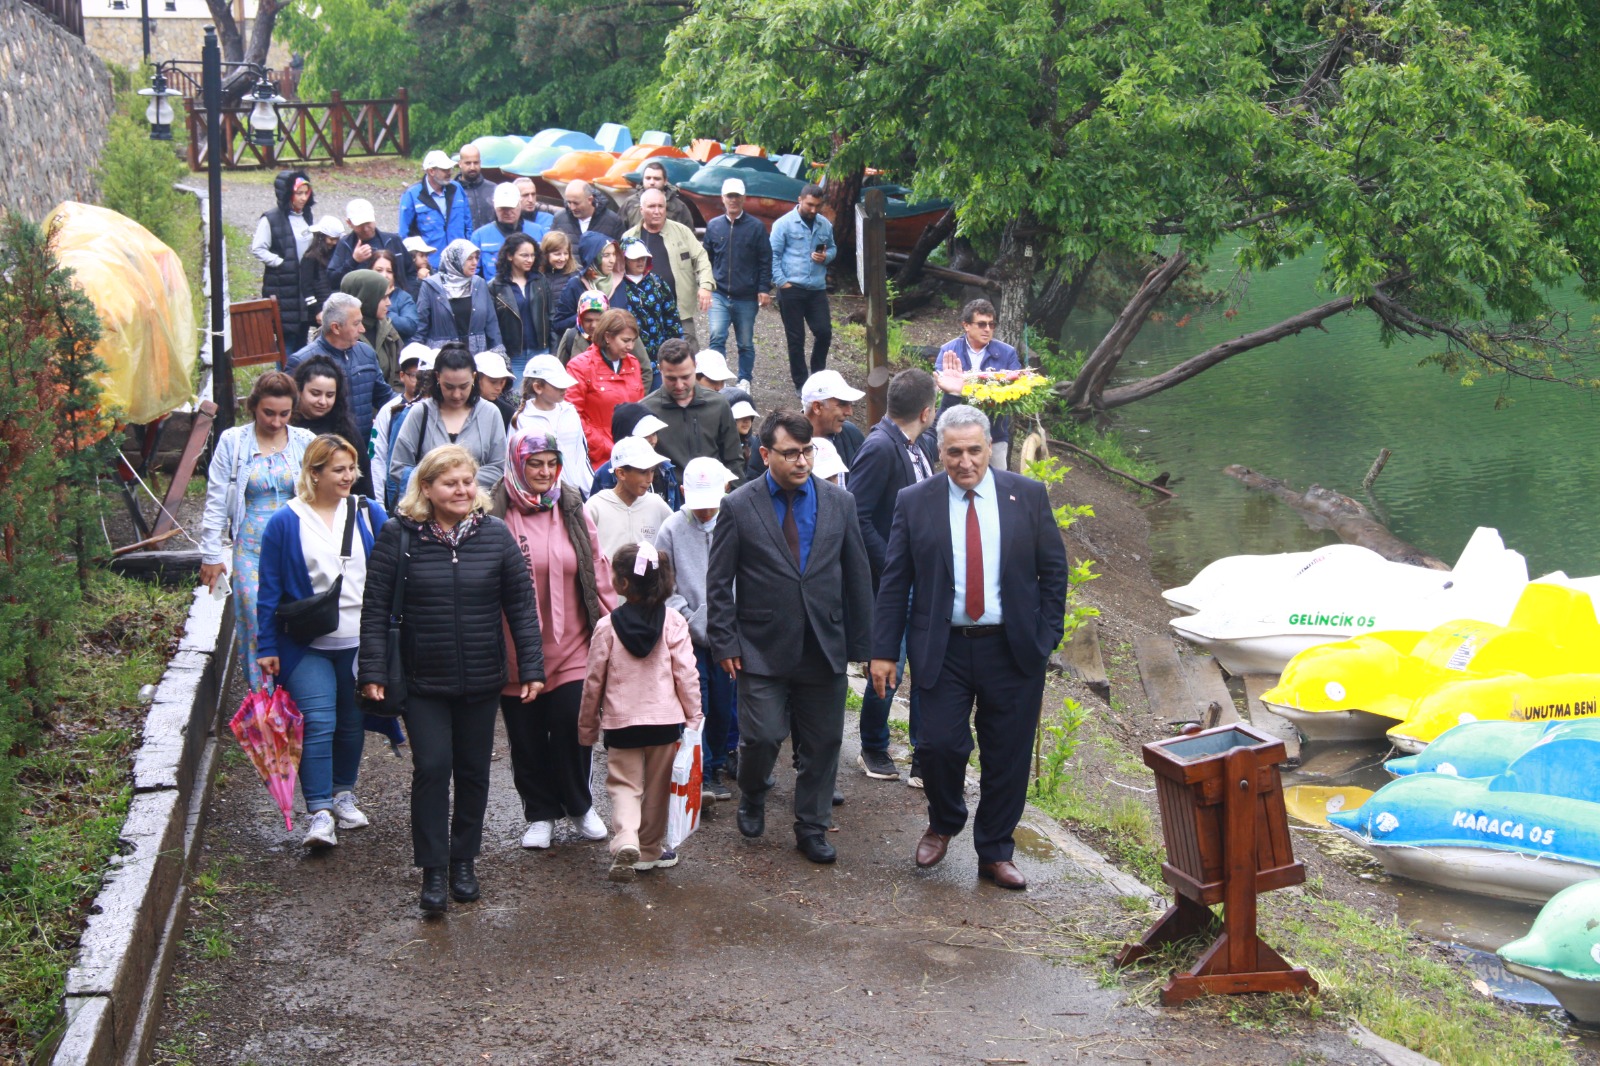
642	688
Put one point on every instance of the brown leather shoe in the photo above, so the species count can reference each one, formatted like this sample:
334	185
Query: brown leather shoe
1003	874
930	849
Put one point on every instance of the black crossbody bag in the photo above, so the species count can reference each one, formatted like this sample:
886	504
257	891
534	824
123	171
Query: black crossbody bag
317	615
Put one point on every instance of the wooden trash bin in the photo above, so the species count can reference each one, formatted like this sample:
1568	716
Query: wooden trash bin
1227	839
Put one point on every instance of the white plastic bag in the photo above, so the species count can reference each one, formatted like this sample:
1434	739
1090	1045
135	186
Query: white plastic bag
683	811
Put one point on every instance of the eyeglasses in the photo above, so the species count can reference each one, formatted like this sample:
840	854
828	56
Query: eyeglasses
791	455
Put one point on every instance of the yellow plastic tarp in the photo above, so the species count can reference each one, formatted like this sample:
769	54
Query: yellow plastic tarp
138	286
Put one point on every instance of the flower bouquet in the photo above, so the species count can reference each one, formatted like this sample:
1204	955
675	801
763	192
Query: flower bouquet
1019	394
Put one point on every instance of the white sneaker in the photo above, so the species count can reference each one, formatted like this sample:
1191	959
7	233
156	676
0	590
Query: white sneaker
538	835
321	834
623	863
590	827
346	813
668	858
744	383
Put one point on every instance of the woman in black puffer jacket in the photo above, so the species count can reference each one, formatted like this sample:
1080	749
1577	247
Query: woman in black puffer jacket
463	572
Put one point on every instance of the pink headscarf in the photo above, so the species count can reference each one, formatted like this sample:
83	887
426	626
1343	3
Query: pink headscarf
523	443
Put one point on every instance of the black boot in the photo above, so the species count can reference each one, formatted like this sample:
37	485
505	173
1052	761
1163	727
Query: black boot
463	882
433	890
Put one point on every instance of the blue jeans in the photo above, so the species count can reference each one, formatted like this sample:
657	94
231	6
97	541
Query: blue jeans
875	711
518	364
719	702
742	313
324	686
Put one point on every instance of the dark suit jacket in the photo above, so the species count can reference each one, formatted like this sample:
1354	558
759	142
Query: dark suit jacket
605	221
763	626
882	467
919	567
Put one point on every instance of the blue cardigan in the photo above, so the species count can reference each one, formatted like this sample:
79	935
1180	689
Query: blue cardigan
284	579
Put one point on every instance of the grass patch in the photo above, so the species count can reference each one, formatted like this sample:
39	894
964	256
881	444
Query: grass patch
74	791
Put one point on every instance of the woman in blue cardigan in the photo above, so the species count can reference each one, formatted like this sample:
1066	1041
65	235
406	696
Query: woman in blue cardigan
301	556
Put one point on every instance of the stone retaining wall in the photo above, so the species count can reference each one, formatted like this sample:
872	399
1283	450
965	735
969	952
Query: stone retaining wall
114	989
55	104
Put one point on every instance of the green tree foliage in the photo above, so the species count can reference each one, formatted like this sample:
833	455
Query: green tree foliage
53	442
361	48
1071	131
136	175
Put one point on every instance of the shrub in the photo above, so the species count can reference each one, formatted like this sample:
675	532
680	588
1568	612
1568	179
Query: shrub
136	175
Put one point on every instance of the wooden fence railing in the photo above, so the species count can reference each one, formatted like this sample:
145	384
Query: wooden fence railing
68	14
329	131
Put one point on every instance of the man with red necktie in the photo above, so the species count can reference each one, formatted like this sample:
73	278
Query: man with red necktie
975	579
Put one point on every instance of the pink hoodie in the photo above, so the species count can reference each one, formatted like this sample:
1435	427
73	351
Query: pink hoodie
620	690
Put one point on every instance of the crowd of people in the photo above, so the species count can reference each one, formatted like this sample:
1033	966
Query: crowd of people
607	543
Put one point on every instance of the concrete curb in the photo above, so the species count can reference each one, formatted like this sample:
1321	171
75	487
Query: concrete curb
114	989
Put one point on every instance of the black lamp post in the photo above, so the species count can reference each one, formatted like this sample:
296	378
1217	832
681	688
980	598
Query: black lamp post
263	134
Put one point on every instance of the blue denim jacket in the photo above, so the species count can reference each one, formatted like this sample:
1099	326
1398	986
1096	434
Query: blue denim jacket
792	244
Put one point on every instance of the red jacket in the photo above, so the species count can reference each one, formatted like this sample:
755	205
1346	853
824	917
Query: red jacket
598	391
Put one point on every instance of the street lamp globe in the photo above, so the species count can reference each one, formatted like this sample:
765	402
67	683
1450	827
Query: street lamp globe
159	113
264	114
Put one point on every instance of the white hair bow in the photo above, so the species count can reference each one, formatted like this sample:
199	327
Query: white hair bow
648	557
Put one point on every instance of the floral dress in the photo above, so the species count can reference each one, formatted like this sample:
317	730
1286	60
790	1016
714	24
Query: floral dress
269	485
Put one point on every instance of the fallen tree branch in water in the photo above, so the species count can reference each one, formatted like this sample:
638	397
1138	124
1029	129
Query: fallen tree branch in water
1325	509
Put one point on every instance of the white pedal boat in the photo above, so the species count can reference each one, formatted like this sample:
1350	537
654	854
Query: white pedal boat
1255	613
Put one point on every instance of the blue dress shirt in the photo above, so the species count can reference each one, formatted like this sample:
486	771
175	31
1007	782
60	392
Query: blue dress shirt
989	530
805	515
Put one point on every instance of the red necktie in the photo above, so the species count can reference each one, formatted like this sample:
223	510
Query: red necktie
974	561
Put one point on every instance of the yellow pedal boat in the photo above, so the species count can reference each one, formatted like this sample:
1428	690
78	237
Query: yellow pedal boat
1543	665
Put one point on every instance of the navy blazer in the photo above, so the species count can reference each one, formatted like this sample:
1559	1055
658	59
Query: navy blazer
919	567
882	467
757	600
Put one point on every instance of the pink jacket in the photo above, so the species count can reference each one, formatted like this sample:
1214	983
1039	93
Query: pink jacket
663	688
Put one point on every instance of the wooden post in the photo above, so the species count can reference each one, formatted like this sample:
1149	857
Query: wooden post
336	124
875	272
405	122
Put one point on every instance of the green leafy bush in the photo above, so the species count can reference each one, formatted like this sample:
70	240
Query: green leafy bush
137	174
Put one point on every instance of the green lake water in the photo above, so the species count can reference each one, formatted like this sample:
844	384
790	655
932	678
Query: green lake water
1318	407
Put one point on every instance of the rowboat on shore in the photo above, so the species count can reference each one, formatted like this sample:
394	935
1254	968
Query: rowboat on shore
1523	834
1562	951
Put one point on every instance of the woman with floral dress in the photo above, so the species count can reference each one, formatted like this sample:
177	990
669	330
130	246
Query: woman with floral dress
253	472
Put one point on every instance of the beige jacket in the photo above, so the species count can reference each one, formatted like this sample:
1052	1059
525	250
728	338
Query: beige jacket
691	266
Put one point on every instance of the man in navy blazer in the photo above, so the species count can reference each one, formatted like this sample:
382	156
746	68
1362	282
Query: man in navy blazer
895	454
975	580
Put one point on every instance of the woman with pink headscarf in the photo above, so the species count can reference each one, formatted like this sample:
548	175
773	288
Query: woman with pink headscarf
572	585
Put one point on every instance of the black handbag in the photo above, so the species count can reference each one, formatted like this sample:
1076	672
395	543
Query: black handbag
317	615
395	690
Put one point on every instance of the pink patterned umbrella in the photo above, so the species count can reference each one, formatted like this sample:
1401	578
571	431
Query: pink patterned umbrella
271	730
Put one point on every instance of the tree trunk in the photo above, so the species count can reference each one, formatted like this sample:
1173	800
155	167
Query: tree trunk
261	30
1013	269
1138	390
228	35
911	270
841	195
964	259
1057	298
1083	395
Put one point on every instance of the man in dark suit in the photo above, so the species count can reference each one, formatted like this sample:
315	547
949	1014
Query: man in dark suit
585	213
976	567
891	458
789	545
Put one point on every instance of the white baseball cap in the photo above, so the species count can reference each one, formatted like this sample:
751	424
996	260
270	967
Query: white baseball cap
636	454
828	385
635	249
548	368
423	354
506	195
733	187
359	212
491	364
705	482
437	160
647	425
828	463
417	244
742	409
712	364
329	226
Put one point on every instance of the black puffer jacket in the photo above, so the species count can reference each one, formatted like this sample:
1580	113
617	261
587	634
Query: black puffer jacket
454	599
